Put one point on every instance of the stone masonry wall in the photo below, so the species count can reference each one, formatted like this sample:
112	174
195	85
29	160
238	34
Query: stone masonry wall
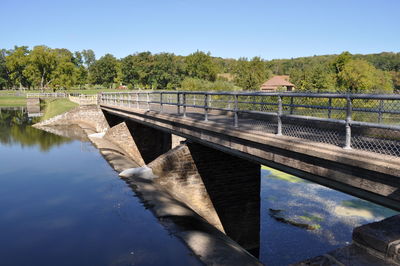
178	174
121	136
86	116
211	181
150	142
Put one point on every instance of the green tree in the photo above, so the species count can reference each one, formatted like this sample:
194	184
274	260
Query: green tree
4	76
167	71
359	76
318	78
396	80
200	65
137	70
42	61
104	71
251	74
16	63
89	57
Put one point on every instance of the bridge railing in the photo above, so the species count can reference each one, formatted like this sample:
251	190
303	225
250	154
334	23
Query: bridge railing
83	99
368	122
44	95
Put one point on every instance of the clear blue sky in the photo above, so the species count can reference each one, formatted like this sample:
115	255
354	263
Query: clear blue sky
270	29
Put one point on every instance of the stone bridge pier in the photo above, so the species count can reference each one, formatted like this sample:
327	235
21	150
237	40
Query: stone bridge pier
224	189
150	142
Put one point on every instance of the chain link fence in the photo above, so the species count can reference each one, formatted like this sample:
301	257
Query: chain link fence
360	121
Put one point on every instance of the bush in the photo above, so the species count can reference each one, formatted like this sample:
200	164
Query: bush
195	84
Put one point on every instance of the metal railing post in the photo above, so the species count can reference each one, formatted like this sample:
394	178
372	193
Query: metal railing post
291	105
148	100
329	107
235	121
161	102
184	104
380	111
348	121
206	107
137	100
178	102
279	117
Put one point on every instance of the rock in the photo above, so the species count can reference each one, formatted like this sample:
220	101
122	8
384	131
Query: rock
142	172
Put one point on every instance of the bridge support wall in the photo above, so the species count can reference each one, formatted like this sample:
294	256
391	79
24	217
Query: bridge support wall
150	142
224	189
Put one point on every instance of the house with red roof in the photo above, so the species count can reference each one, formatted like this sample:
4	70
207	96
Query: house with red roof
277	83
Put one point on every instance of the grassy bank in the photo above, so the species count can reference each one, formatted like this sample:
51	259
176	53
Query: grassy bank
81	91
12	101
57	107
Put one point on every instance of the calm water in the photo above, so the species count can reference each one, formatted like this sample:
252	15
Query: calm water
332	213
62	204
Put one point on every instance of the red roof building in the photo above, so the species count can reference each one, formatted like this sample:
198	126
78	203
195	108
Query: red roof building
277	83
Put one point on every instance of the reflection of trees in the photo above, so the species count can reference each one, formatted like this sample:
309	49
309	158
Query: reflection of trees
15	127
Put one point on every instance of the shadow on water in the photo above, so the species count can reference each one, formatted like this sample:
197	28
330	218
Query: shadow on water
15	127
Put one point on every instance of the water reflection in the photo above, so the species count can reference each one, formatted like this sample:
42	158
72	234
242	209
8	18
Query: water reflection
15	127
66	206
331	216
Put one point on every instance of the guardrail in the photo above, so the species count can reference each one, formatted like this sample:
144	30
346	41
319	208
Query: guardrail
368	122
43	95
83	99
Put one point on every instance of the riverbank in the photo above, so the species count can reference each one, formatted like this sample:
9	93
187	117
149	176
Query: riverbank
56	107
12	101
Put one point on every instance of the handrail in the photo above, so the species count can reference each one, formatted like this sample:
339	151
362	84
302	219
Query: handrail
46	95
365	111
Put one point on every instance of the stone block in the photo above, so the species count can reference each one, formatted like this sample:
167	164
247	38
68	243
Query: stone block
382	236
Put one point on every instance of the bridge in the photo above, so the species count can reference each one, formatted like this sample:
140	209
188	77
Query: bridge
347	142
205	150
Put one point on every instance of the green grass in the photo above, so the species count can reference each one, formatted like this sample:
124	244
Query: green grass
57	107
81	91
12	101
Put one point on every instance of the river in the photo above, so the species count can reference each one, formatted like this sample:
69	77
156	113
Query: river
62	204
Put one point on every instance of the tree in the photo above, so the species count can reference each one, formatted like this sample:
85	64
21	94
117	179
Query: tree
89	58
251	74
137	70
200	65
4	76
42	61
341	60
16	63
167	72
396	80
318	78
359	76
104	71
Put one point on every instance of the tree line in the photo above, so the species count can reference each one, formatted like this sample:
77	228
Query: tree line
43	67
